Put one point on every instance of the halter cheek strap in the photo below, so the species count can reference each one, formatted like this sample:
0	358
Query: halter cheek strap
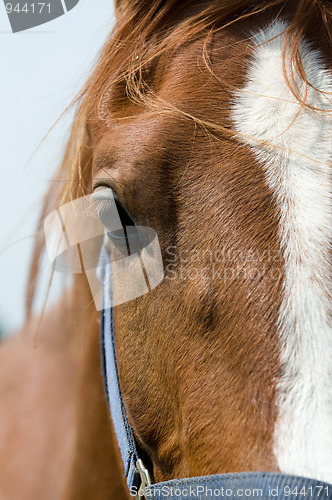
252	485
134	470
122	428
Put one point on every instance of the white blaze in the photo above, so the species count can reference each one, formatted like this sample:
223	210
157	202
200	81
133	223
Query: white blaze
298	172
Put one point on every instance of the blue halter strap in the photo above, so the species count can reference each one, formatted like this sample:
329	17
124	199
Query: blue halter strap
248	485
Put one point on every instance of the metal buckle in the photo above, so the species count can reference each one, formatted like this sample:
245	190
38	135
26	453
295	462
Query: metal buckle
145	480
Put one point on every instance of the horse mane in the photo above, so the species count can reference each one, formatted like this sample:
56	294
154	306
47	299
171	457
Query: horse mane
144	30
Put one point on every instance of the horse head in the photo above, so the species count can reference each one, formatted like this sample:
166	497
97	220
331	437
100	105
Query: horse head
209	122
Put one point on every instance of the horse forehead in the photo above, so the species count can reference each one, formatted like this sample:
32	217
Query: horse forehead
145	138
204	64
187	80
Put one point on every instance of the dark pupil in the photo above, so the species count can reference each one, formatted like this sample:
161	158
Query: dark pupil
128	239
124	217
106	215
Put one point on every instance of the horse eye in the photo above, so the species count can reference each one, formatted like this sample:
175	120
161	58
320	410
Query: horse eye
125	218
127	239
104	199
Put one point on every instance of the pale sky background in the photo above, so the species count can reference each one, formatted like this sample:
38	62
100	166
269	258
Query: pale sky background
42	69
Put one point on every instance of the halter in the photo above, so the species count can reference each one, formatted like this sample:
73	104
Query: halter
253	485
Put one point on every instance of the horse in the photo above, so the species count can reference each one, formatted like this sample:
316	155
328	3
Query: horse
210	121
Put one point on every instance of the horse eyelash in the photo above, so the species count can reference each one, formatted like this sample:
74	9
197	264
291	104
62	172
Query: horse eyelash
98	206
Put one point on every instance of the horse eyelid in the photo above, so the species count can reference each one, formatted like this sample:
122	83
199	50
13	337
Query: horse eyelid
102	192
